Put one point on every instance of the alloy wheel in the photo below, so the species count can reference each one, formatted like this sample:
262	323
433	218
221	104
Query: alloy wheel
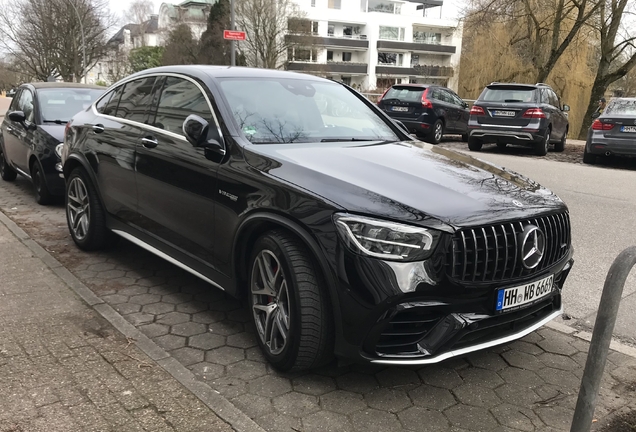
438	132
37	180
270	302
547	141
78	208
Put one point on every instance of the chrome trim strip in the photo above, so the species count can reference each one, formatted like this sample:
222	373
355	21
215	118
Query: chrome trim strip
502	126
23	172
165	256
152	128
467	350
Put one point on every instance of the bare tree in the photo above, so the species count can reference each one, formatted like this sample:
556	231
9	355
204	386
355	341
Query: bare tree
139	13
617	52
541	29
265	23
46	36
181	47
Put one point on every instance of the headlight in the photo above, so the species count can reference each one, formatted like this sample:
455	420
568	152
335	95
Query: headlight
386	240
58	150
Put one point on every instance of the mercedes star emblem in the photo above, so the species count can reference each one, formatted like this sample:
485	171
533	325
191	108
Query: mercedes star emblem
517	203
532	246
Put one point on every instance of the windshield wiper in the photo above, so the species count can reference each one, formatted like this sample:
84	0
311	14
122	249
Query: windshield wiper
513	100
347	139
54	121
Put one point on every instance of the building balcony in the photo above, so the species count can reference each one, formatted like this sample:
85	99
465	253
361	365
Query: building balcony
417	47
356	41
416	70
329	68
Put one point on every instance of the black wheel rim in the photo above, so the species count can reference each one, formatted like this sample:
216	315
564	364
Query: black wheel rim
438	132
547	141
37	180
78	208
2	162
270	302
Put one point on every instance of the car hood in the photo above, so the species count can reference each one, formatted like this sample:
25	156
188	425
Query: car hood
407	181
54	130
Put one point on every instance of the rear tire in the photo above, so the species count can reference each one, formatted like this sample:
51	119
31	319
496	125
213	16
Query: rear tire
560	146
42	194
437	132
588	158
6	172
289	304
474	144
85	215
541	147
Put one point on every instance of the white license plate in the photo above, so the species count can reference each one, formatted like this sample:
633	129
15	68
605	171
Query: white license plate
515	297
401	109
504	113
628	129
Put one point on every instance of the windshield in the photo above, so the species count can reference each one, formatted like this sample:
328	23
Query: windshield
59	105
509	95
623	107
297	110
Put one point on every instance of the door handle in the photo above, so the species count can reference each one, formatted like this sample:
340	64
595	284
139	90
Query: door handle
149	142
98	128
9	129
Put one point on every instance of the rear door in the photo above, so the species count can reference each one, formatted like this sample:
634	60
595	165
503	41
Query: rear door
453	110
176	181
463	112
403	102
505	105
560	119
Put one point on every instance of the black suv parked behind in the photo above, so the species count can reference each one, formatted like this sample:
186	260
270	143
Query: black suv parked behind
426	110
343	233
523	114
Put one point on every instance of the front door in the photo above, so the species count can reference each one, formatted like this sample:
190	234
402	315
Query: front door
17	141
175	180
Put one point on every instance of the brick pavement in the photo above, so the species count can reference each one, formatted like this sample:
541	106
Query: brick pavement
64	368
529	385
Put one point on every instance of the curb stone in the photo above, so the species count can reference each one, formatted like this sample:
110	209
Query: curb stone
217	403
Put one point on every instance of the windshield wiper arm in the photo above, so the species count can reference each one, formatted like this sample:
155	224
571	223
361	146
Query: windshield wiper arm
346	139
54	121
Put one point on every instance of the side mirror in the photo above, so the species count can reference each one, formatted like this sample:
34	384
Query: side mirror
465	104
402	126
197	131
17	116
566	108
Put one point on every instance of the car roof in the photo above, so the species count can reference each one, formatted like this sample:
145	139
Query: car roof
623	99
230	72
61	85
414	85
522	85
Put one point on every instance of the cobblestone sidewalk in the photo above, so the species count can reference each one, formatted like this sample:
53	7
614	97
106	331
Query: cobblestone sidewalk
64	368
528	385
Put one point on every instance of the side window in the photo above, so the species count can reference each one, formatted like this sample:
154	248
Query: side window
26	104
447	97
545	97
111	107
101	104
135	99
179	98
434	94
457	100
554	99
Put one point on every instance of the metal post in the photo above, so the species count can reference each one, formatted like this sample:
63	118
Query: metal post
232	42
601	338
79	20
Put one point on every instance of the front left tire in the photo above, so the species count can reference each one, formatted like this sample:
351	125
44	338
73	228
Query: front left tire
289	304
42	194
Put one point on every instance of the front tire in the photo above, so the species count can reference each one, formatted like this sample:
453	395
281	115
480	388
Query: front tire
541	148
42	194
6	172
474	144
85	215
560	146
289	304
437	132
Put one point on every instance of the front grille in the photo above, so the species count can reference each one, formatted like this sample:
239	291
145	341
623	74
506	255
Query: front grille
492	253
404	331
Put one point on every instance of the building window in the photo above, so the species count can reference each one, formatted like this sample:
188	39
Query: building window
334	4
313	3
384	7
302	54
331	29
314	27
427	37
329	55
392	33
346	80
415	59
390	59
346	56
347	31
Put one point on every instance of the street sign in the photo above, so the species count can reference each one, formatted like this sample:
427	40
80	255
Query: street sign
233	35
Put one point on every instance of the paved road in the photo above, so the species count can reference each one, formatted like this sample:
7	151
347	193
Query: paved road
602	202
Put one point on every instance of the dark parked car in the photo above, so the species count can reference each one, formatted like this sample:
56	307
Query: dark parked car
613	133
32	132
344	234
523	114
428	111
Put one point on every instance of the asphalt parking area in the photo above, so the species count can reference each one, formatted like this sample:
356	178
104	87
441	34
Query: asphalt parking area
528	385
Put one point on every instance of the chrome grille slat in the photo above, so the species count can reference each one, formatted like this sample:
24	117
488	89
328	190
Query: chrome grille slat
487	253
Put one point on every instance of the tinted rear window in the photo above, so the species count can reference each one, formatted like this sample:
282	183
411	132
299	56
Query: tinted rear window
621	107
62	104
405	94
508	94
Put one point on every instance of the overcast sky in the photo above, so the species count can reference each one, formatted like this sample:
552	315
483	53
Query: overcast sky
449	10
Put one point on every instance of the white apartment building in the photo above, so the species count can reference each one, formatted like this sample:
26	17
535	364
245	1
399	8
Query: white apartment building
373	44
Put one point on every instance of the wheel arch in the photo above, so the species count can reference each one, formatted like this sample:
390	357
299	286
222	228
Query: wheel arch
76	160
